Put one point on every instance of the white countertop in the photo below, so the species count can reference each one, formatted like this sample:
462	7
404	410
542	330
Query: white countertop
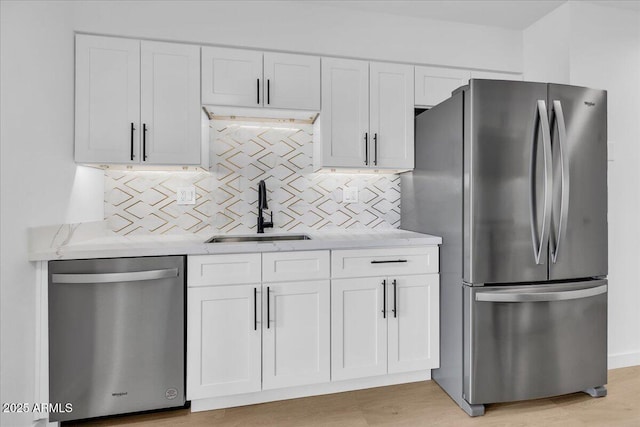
94	240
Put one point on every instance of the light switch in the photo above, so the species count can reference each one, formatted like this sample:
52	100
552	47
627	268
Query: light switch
350	195
186	196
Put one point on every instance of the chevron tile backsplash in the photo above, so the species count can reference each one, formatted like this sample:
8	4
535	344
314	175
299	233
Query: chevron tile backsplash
241	154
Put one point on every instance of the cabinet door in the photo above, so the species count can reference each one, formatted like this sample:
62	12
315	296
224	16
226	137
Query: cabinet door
358	328
434	85
391	117
231	77
292	81
170	103
413	322
296	334
492	75
223	340
107	104
345	113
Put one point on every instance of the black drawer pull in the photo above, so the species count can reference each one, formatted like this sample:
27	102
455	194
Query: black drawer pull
389	261
144	142
132	129
255	309
268	311
384	299
395	298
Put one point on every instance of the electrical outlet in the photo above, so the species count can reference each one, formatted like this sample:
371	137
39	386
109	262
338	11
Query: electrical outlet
186	196
350	195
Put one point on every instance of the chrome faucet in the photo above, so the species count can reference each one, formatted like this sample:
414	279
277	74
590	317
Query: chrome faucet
262	204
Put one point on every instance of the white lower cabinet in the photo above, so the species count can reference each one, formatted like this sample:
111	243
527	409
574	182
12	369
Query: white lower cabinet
384	325
295	338
223	340
413	323
358	328
247	337
260	326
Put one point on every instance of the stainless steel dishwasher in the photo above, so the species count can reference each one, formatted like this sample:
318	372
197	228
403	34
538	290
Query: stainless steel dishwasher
116	335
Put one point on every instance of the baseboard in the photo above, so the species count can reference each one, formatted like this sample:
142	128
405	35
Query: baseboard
305	391
622	360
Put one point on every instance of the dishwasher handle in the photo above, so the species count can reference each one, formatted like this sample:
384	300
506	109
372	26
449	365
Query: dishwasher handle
132	276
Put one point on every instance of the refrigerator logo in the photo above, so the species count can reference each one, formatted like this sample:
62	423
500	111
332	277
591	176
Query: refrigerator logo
171	393
119	394
589	104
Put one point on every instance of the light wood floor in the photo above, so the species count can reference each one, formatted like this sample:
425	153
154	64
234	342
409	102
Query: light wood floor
416	404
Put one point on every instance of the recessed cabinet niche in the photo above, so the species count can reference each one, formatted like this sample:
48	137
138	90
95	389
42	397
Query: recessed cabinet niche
137	102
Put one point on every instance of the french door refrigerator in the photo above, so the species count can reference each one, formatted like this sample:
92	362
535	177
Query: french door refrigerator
513	176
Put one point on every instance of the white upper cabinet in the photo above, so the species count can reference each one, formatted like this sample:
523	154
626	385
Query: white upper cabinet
367	115
391	120
292	81
345	113
246	78
434	85
170	103
137	102
231	77
107	100
493	75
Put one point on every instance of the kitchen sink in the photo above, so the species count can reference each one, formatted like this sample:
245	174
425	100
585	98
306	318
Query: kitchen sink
260	238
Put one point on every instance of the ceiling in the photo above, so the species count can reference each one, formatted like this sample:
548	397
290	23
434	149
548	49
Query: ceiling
512	14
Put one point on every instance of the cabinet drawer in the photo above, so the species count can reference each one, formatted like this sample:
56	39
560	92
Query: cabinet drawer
233	269
384	262
287	266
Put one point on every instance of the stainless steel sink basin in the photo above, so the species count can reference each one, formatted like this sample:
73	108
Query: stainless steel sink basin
257	238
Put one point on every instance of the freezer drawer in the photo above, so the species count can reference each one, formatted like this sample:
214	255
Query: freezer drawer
531	341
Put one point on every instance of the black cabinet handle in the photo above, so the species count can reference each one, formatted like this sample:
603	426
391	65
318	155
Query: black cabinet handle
132	129
255	309
268	92
268	314
144	142
258	90
395	297
388	261
366	148
384	299
375	148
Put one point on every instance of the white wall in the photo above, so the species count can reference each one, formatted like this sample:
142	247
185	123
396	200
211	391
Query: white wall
312	28
40	183
600	48
546	47
605	53
37	170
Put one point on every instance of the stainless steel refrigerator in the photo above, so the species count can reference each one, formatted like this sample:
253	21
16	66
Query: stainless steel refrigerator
513	176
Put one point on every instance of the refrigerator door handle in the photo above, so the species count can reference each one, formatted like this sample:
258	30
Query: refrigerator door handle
559	234
540	238
518	296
